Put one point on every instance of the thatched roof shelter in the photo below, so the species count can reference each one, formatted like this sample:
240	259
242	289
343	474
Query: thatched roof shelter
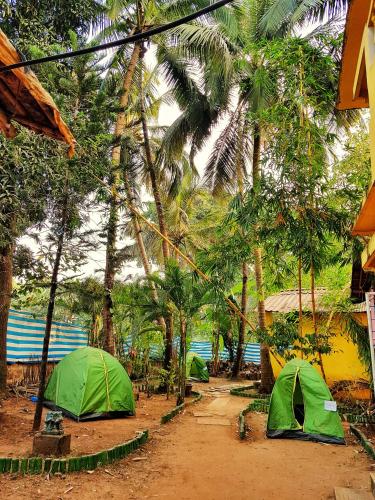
24	100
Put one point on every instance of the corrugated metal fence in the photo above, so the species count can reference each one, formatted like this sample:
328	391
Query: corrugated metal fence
25	338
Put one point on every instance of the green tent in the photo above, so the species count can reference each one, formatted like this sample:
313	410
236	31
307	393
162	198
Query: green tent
302	407
196	368
90	383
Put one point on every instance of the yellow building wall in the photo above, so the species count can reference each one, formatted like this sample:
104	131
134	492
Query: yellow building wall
343	363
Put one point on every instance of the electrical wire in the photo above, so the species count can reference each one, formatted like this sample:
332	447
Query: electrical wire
123	41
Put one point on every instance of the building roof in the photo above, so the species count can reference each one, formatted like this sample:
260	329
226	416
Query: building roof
357	18
24	100
288	301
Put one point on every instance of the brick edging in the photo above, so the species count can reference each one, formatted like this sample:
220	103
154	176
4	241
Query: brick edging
39	465
363	441
167	417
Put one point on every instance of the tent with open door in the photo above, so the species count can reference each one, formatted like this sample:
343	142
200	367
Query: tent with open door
302	407
90	383
196	368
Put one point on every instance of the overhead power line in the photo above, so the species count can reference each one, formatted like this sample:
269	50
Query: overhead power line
123	41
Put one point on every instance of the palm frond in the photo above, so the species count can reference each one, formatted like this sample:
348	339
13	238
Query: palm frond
297	12
221	168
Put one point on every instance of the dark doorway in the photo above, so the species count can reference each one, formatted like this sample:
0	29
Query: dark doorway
298	406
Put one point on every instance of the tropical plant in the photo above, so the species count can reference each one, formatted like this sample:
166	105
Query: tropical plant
181	293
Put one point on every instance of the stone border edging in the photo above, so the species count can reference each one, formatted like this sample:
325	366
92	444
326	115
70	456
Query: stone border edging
257	405
237	391
241	391
167	417
363	441
356	418
39	465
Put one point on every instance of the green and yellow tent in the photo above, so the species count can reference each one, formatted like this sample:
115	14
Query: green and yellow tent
196	368
90	383
302	407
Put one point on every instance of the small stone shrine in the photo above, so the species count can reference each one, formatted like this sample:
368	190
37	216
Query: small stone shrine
52	441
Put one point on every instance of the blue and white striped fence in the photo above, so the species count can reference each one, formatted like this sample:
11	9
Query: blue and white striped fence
25	338
204	350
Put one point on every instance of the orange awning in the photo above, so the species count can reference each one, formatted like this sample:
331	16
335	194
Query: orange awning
24	100
356	21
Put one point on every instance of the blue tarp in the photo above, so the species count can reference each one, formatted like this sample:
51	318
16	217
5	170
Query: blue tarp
25	338
204	350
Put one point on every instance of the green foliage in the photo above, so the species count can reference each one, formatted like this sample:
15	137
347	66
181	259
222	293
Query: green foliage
46	21
242	64
284	337
360	337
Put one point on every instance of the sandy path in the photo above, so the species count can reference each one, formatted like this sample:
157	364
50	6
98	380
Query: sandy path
186	460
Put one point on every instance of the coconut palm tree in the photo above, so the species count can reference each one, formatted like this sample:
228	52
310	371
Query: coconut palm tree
281	14
181	293
245	137
131	16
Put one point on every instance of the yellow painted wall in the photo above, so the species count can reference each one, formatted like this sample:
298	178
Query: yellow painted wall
344	363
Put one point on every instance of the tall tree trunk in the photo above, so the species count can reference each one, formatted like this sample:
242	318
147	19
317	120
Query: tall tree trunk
110	267
242	330
49	318
109	275
215	350
154	182
300	313
130	197
228	343
6	274
161	218
237	365
181	395
267	377
315	323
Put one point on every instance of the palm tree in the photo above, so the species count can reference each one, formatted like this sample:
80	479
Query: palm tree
281	14
238	146
257	92
131	16
192	215
179	291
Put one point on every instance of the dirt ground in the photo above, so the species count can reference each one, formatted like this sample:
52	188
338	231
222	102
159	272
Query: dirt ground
198	455
16	419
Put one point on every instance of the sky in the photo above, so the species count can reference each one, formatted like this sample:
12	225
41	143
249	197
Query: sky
96	258
168	114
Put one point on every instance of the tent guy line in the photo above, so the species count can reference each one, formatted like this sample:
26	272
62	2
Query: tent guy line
123	41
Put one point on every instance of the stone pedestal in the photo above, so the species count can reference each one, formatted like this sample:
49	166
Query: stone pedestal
49	445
